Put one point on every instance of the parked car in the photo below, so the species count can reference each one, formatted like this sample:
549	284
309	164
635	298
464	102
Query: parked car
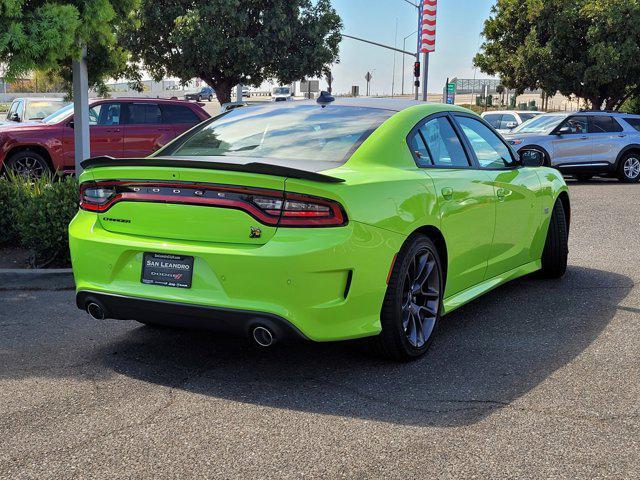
320	221
281	94
118	128
584	144
506	120
32	109
205	93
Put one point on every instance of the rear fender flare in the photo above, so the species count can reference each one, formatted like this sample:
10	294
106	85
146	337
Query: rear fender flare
624	151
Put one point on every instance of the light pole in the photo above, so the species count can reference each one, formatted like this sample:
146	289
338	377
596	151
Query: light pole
404	45
425	61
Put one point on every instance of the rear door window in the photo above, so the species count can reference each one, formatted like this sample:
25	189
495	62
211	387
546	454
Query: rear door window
419	150
179	114
144	114
443	143
602	124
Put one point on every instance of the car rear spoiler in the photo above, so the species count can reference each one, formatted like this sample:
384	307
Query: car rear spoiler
252	167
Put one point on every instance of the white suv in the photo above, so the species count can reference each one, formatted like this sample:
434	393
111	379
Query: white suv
507	120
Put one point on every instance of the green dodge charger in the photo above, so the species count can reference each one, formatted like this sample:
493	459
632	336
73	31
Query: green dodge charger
329	220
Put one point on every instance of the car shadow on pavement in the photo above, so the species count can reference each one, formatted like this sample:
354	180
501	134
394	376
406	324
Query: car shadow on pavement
485	356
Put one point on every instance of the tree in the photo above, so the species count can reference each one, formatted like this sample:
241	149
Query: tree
228	42
46	35
588	48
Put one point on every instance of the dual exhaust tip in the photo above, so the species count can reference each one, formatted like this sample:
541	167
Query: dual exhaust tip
261	335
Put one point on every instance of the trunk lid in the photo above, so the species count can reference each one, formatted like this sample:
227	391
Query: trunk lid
186	204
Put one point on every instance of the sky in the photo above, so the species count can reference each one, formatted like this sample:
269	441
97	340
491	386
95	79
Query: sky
458	36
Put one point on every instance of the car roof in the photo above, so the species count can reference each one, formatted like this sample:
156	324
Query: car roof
141	100
393	104
502	112
40	99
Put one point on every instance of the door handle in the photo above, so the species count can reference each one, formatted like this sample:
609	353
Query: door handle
622	135
584	137
447	193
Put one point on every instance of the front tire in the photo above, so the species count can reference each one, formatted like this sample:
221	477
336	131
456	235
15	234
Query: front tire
556	248
211	98
28	164
412	304
629	169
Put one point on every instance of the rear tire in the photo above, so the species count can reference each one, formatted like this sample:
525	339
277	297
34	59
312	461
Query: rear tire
28	164
411	309
199	98
556	248
629	168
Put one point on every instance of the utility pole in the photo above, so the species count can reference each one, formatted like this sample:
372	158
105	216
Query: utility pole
404	45
393	75
425	76
81	110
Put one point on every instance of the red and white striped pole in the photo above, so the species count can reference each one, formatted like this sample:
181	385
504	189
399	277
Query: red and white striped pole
427	38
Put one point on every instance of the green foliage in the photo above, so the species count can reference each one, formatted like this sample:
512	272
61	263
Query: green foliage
35	214
632	105
10	203
587	48
46	35
226	42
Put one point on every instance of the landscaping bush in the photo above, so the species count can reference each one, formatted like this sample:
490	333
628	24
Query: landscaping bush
39	212
10	202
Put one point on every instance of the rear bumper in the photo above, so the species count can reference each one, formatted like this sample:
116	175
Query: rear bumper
236	322
328	283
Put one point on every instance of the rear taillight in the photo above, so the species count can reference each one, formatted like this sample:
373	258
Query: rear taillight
270	207
97	197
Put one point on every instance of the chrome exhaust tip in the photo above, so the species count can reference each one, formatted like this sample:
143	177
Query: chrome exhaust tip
263	336
96	311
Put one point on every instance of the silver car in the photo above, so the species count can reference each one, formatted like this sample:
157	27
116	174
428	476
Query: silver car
584	144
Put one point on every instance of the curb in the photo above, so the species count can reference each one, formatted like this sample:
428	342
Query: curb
36	279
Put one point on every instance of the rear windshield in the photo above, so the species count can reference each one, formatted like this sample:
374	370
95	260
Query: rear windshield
297	132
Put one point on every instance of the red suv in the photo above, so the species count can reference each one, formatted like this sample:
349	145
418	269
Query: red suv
118	127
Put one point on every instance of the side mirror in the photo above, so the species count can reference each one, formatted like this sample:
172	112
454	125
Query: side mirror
564	131
15	117
511	125
531	158
70	124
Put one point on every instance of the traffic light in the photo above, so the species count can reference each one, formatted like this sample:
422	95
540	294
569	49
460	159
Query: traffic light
416	69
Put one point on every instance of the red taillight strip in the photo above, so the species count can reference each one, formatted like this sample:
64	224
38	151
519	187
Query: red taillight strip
290	218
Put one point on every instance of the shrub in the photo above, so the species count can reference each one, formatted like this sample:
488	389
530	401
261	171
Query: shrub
10	201
41	210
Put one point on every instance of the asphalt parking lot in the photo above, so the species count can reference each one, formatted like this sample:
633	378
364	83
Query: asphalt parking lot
539	379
